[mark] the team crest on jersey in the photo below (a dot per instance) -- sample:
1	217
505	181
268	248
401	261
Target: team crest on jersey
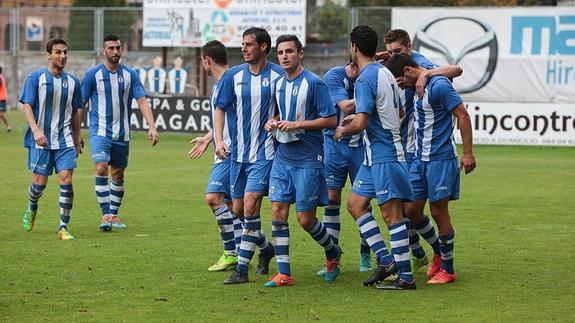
65	84
294	91
120	79
265	82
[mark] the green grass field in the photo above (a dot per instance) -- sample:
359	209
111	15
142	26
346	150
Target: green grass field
514	249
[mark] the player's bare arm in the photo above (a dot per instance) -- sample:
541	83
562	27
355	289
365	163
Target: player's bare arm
467	161
76	123
222	150
347	106
200	145
39	136
449	71
319	123
149	117
357	124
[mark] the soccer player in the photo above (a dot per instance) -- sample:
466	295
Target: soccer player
218	198
52	105
384	174
342	157
246	98
398	41
3	99
434	172
109	88
297	175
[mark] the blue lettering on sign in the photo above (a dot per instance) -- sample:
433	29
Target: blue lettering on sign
560	42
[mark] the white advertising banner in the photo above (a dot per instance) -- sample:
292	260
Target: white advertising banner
507	54
191	23
521	124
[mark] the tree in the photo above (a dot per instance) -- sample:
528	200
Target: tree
331	20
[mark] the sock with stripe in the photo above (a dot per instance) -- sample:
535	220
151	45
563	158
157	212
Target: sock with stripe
427	232
226	227
116	195
238	227
399	241
281	238
416	249
103	194
446	243
319	233
331	220
66	203
34	194
370	232
250	236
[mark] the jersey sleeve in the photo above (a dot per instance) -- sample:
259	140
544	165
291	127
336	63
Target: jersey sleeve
30	90
444	92
336	87
87	86
323	101
364	96
226	94
77	97
138	90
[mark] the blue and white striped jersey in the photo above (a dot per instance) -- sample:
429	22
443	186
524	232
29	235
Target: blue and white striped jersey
341	88
226	134
376	93
305	97
177	80
408	120
157	80
52	99
249	104
434	121
110	100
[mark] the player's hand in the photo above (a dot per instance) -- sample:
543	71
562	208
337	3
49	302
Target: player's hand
200	146
421	83
270	125
399	81
222	150
287	125
79	144
382	56
339	133
40	139
153	136
348	119
467	163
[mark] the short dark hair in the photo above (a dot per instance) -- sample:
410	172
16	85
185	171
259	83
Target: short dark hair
365	38
397	62
111	37
54	41
0	69
286	38
216	50
398	35
262	36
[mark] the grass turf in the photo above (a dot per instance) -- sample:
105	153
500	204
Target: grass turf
514	250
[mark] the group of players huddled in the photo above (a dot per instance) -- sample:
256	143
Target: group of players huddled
385	120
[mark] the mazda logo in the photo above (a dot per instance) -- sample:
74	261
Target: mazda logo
487	40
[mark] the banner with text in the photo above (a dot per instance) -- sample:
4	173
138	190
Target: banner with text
507	54
173	114
191	23
521	124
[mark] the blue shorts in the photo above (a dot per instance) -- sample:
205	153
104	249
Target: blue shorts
219	181
435	180
2	106
42	161
340	160
106	150
306	187
383	181
249	177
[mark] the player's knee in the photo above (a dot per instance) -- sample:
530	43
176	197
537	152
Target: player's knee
102	169
306	222
356	210
214	200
